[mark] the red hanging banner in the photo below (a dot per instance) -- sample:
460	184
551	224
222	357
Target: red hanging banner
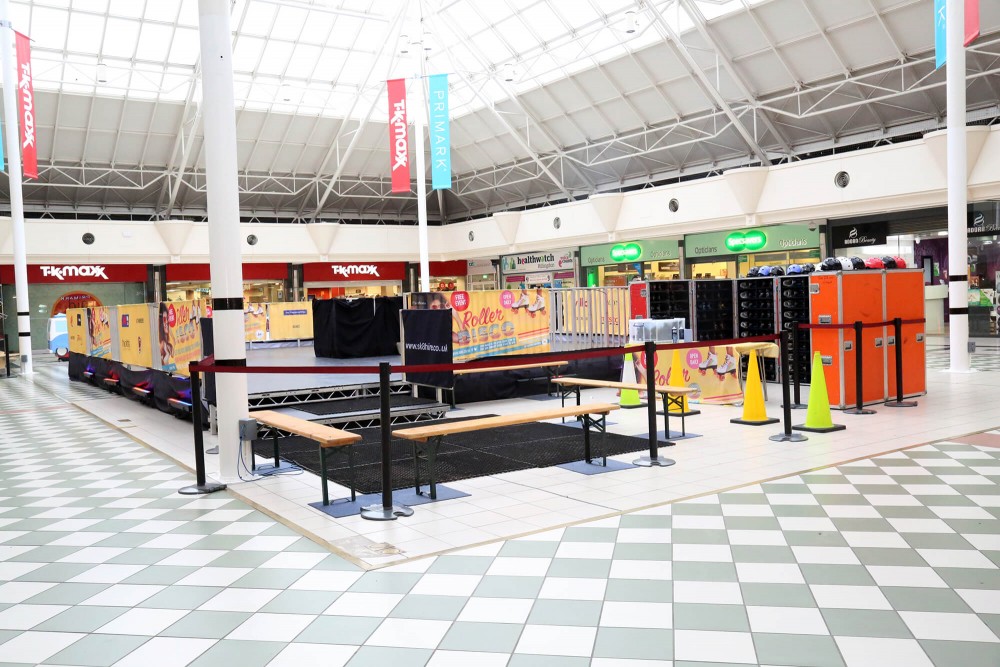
399	156
971	21
26	95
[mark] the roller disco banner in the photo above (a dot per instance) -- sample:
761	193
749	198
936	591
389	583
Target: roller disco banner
399	156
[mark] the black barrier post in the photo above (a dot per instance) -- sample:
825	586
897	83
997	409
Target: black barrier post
386	511
859	367
653	459
787	435
796	340
897	324
201	485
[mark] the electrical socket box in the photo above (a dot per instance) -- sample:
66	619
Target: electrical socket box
248	430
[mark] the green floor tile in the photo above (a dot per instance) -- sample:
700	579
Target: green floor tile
698	536
46	554
904	598
566	612
889	556
352	630
785	487
222	542
97	650
762	554
502	586
68	593
140	556
268	578
634	644
974	526
486	637
818	538
752	523
639	551
697	571
526	660
645	521
380	656
811	511
206	624
727	617
429	607
461	565
962	577
99	513
163	575
849	575
300	602
945	501
797	650
905	512
737	498
81	619
691	509
865	623
966	654
33	538
523	549
386	582
992	621
56	572
582	534
587	568
637	590
863	525
777	595
244	559
936	541
114	525
305	545
239	652
334	562
181	597
825	499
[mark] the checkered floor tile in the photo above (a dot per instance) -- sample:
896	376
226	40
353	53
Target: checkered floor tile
887	561
985	358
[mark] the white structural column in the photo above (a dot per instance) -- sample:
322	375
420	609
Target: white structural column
958	194
418	112
13	137
219	116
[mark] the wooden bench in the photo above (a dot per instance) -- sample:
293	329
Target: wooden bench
325	436
672	396
548	366
427	439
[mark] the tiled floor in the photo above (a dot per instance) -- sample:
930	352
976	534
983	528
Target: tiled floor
884	561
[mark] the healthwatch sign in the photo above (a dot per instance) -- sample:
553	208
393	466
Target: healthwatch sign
763	239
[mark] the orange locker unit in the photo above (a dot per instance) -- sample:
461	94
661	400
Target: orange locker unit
904	298
844	297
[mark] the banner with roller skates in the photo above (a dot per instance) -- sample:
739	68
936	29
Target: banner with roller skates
711	370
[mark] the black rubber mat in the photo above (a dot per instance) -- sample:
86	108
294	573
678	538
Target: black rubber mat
461	456
360	404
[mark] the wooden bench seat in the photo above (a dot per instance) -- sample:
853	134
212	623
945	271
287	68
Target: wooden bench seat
427	439
672	396
325	436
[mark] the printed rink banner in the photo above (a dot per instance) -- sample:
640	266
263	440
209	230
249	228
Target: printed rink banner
290	321
494	322
711	386
76	325
99	332
135	335
255	322
179	328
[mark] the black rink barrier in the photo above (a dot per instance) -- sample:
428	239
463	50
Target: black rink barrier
859	375
201	485
386	511
897	325
787	435
797	403
654	457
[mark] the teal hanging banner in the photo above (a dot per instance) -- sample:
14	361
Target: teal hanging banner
3	163
439	131
940	33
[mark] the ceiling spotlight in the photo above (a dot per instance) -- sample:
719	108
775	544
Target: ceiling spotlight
508	72
631	22
285	93
404	44
427	40
102	72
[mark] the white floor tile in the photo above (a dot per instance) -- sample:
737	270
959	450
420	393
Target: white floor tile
446	584
27	616
711	646
556	640
637	614
879	652
294	560
981	601
142	622
496	610
272	627
641	569
597	550
363	604
36	647
572	589
464	659
957	558
849	597
920	577
945	626
707	592
299	655
193	557
166	652
769	573
123	595
703	553
13	592
825	555
787	620
326	580
883	540
409	633
240	599
523	567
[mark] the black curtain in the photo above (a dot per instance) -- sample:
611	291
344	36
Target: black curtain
351	329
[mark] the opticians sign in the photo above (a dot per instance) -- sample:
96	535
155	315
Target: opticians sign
531	262
763	239
630	251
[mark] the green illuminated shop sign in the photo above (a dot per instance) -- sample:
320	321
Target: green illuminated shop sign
631	251
765	239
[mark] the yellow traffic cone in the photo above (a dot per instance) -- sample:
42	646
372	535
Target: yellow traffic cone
629	398
818	419
676	379
754	410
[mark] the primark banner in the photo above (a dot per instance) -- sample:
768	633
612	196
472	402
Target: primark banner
439	132
427	339
399	156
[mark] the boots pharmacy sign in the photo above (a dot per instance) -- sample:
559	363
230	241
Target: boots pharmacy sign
656	250
763	239
26	98
399	157
534	262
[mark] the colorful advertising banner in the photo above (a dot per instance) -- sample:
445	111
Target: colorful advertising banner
290	321
255	322
76	325
440	131
99	332
492	323
26	97
135	335
399	156
711	386
178	326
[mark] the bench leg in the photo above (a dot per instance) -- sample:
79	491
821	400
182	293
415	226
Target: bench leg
667	401
586	437
431	464
322	474
277	459
416	468
350	465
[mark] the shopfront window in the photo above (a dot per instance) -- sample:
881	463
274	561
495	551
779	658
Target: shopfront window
258	291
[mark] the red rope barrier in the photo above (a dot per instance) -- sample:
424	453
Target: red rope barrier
850	325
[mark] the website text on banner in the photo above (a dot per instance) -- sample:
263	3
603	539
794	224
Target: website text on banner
179	327
716	383
290	321
99	332
492	323
427	340
135	335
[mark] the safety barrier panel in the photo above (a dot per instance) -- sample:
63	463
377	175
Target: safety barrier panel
584	316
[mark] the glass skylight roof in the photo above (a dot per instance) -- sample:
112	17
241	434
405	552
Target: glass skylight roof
313	57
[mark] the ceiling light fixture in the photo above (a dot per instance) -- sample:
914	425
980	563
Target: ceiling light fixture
102	72
631	22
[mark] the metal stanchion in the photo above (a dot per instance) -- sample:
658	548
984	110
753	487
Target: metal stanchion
386	511
797	403
201	485
859	405
653	459
787	435
897	324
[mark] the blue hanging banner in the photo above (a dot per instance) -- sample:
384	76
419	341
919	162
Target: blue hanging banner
940	33
440	131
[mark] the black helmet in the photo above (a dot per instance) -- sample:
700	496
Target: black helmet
859	264
889	262
830	264
753	272
777	271
808	268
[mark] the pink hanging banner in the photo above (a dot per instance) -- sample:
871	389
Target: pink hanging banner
399	156
26	96
971	21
